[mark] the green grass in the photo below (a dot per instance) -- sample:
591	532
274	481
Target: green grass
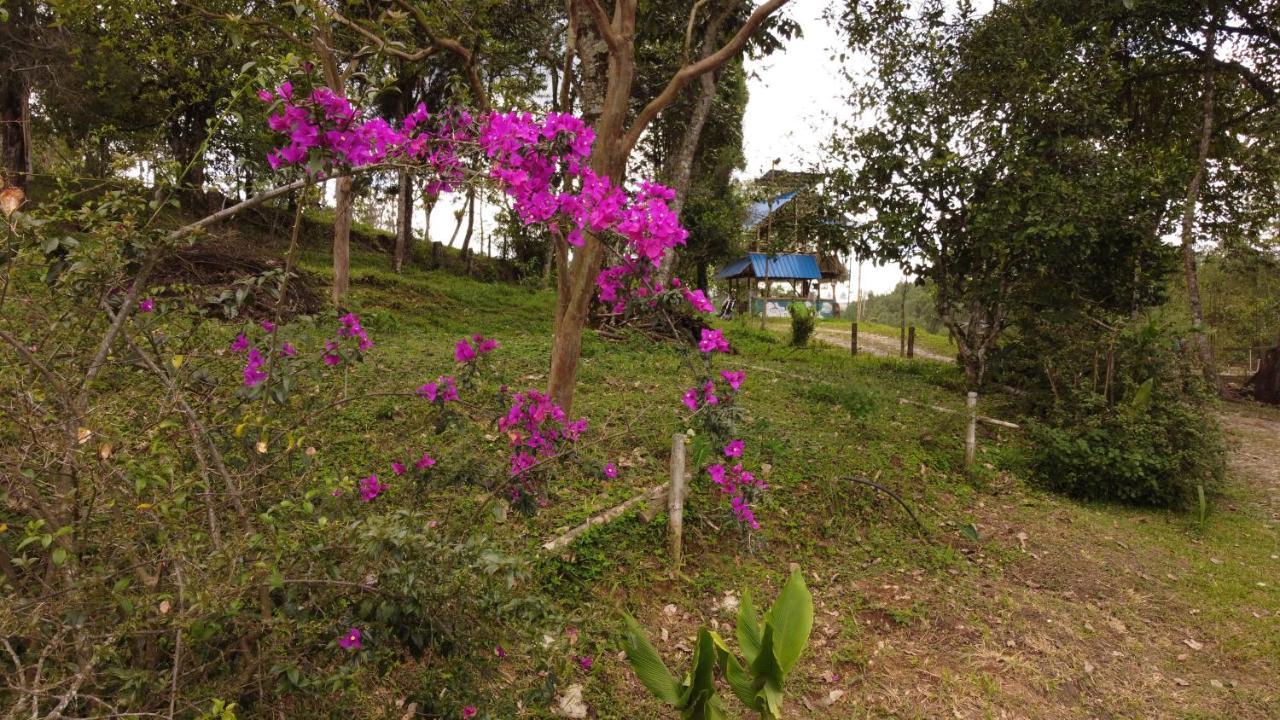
815	417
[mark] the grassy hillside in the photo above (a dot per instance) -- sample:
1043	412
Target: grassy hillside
1058	610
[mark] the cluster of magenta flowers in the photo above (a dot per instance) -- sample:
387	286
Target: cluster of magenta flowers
539	430
738	483
370	487
254	372
540	163
465	352
443	390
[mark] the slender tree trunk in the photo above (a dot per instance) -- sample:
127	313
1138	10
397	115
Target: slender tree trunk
679	168
1203	348
605	90
15	128
470	209
404	223
343	197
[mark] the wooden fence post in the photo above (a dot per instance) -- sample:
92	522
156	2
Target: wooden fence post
911	341
853	339
675	501
971	432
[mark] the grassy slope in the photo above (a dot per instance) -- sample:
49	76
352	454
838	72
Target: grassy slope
1060	610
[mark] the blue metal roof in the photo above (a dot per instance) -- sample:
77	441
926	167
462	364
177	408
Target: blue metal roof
785	266
758	211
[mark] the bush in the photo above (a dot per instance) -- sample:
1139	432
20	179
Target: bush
802	323
1148	438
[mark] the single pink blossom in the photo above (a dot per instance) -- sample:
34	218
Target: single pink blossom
146	305
397	467
288	350
469	712
733	449
424	462
350	640
734	377
713	341
268	326
611	471
371	488
240	344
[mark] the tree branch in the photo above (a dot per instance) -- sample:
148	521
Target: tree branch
603	24
687	73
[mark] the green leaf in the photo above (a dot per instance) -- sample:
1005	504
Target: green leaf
701	680
740	681
792	619
748	628
59	556
648	666
970	531
1142	396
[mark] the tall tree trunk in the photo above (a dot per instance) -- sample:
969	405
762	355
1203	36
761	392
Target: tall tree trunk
15	128
344	196
1203	348
404	223
471	223
679	167
605	81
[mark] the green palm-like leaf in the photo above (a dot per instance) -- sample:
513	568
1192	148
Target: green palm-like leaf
648	666
701	682
740	681
791	618
748	628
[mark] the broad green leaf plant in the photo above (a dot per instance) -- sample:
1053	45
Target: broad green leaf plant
770	649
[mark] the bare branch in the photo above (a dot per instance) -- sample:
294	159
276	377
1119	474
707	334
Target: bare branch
687	73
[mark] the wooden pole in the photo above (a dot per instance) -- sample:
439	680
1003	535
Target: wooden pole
902	322
853	338
971	431
911	341
675	501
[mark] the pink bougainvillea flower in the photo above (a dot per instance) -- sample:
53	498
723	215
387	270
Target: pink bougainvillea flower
350	640
371	488
734	377
240	344
690	398
268	326
611	471
699	301
397	467
484	345
427	391
501	653
253	372
733	449
717	473
424	462
331	356
265	95
584	661
463	352
146	305
469	712
713	341
709	393
288	350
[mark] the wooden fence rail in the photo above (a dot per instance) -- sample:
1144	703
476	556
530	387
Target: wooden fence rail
971	427
671	492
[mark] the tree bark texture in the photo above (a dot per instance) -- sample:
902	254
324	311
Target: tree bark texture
1203	348
404	223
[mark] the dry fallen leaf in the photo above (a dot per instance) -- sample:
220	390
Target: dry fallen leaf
1193	644
1181	683
570	704
833	697
10	200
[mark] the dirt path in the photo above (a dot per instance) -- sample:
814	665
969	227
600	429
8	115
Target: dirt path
1255	455
872	343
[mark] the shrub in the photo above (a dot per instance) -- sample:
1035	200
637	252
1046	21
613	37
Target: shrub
802	324
1147	438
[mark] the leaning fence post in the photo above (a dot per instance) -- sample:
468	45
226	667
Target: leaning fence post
911	341
971	432
853	339
675	500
